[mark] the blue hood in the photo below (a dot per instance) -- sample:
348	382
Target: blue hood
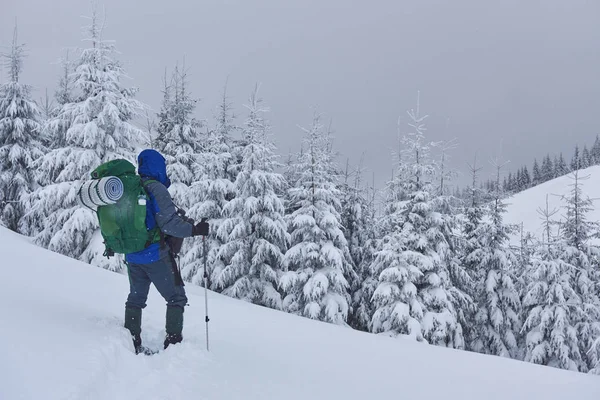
152	164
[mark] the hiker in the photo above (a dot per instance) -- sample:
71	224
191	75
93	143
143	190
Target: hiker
156	263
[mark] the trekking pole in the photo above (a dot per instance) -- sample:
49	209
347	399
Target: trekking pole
206	319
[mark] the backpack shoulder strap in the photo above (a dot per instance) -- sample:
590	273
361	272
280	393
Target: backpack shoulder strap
145	184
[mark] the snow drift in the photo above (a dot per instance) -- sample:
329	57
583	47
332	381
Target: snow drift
62	338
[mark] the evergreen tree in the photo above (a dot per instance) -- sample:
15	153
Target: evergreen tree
519	183
496	324
254	231
550	305
537	175
595	152
211	194
318	264
446	174
20	139
291	175
165	115
581	253
413	295
47	109
526	178
561	168
474	213
358	229
361	299
98	129
547	169
585	158
576	160
179	138
556	167
511	182
63	95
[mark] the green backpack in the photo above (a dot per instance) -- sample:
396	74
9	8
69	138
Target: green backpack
123	224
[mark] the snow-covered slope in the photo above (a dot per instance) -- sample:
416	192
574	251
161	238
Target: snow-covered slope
522	207
61	337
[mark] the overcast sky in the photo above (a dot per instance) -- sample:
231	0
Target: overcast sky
516	77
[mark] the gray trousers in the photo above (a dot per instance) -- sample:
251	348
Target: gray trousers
161	274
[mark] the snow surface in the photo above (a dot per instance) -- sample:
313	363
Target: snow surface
62	338
523	206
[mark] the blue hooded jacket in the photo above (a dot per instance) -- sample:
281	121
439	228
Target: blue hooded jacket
151	164
160	209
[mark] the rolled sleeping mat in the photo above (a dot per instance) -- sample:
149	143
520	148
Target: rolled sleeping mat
100	192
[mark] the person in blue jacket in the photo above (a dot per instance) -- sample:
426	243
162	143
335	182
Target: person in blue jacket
156	263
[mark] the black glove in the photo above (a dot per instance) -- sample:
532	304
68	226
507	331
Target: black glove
201	228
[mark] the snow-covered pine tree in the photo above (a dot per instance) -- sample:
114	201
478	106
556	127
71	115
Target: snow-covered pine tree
362	305
164	124
537	175
470	254
576	160
526	178
547	169
254	231
179	138
595	152
580	252
63	95
98	128
496	324
20	139
519	181
596	350
47	109
291	175
448	206
551	306
358	229
585	158
445	174
561	168
211	194
413	294
318	265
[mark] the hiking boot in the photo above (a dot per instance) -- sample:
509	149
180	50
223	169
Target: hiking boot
173	325
133	323
173	339
137	344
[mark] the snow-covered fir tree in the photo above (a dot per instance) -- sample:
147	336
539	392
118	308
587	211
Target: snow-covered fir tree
97	128
547	169
291	174
20	138
537	174
179	137
595	151
583	255
585	158
254	232
474	211
63	95
496	325
358	223
318	264
211	194
47	110
576	159
551	305
413	297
